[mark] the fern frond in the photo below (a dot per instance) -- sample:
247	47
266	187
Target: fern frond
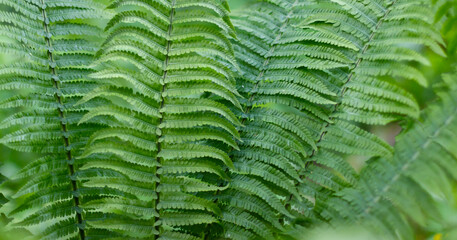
166	71
57	43
283	93
368	91
330	73
381	200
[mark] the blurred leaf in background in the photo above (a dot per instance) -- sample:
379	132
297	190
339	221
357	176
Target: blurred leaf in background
10	161
236	4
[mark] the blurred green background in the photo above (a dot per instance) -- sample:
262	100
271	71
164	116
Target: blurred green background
235	4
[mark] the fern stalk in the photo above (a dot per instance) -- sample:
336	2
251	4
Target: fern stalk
65	137
57	42
165	72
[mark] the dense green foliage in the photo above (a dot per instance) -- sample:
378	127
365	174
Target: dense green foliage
176	119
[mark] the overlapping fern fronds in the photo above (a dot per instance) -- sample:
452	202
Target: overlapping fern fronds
328	73
291	78
175	128
57	44
281	110
386	37
393	192
168	122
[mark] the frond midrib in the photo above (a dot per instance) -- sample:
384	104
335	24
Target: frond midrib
248	106
345	86
159	130
63	122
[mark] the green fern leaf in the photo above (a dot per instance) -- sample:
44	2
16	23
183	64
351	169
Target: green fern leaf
166	71
56	42
384	189
368	91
